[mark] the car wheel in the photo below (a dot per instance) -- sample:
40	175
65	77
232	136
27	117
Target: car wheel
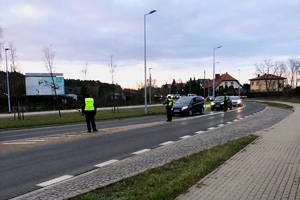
211	109
202	111
231	107
190	112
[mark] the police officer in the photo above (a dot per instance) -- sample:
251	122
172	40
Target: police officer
226	102
169	103
89	109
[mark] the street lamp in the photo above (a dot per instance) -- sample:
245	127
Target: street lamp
149	86
239	82
7	81
151	12
214	70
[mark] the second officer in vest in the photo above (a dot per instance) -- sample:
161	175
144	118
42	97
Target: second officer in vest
89	109
169	107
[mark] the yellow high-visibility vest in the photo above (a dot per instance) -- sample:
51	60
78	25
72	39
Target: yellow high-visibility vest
170	102
89	104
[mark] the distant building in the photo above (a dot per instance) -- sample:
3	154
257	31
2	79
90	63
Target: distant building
222	81
267	82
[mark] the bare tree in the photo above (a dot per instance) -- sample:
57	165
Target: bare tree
1	46
84	72
112	67
293	67
280	70
264	69
48	60
14	66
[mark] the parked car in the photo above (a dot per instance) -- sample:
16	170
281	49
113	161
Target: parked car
192	95
236	101
210	98
189	105
218	103
177	96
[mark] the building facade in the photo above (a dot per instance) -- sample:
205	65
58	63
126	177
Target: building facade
267	83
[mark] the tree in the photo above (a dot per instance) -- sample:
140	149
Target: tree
84	71
293	65
112	67
1	46
281	69
48	60
266	68
14	66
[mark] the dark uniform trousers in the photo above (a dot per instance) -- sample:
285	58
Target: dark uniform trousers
169	113
90	119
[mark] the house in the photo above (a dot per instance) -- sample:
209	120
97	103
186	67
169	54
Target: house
266	83
223	82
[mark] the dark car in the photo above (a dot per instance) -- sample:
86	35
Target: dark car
218	103
189	105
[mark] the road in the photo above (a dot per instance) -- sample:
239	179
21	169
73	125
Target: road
22	171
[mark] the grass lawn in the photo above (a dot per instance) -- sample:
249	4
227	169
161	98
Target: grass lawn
31	121
172	179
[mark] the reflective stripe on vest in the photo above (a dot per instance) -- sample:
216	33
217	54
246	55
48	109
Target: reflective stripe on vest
170	101
89	104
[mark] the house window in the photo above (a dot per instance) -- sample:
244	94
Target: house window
252	83
256	82
232	83
225	83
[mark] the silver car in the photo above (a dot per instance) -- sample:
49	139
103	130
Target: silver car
236	101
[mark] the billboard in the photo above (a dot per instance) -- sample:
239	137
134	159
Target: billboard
41	84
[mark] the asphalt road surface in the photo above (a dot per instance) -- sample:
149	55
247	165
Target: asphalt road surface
22	171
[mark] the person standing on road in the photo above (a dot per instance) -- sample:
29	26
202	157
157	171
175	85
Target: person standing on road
89	109
226	102
169	107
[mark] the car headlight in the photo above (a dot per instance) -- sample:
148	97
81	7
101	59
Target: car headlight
222	103
184	108
212	103
239	101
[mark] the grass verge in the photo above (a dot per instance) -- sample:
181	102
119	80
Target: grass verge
53	119
172	179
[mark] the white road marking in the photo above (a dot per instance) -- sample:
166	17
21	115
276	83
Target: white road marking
141	151
211	128
221	125
199	132
166	143
229	122
35	140
56	180
19	143
236	120
186	136
246	116
106	163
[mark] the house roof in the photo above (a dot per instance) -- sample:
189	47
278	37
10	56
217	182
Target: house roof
267	77
219	80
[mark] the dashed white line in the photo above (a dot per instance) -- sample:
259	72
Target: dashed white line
18	143
35	140
141	151
106	163
199	132
186	136
211	128
221	125
56	180
241	118
166	143
236	120
229	122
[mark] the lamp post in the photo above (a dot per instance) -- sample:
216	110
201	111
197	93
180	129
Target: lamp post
7	81
149	86
214	70
151	12
239	82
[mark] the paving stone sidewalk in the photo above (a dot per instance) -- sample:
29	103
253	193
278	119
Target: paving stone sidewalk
268	169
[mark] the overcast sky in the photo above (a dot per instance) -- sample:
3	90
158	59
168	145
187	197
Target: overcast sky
181	36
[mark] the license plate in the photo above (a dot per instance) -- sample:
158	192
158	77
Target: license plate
217	105
177	111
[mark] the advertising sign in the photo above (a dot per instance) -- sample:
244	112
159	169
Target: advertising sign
43	85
